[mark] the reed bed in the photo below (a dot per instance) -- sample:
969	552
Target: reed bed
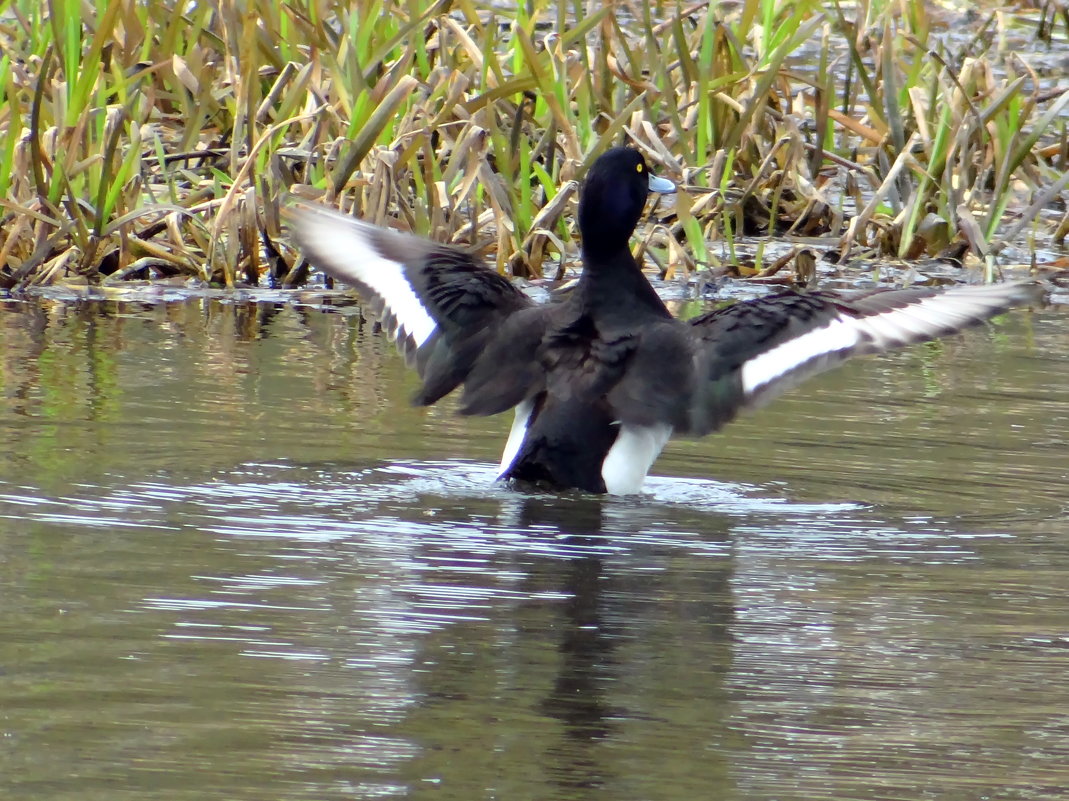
162	140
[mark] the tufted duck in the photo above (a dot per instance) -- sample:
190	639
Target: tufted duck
601	381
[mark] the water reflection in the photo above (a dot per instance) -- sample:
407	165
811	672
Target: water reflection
235	565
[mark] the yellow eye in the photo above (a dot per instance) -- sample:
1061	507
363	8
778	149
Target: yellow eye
639	168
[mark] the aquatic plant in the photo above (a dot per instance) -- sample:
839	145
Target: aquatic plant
161	140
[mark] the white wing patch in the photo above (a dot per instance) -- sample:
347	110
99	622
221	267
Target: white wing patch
347	246
934	316
925	318
840	334
631	457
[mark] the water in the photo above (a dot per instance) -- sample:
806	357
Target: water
234	564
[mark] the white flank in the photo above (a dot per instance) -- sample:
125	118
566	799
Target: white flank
345	244
840	334
632	456
516	435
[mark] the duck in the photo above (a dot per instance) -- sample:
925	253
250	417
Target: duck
599	382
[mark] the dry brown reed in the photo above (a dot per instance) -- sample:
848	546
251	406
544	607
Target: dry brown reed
161	140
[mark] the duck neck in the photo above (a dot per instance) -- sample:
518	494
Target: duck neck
612	281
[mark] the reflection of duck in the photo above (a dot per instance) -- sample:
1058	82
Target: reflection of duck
601	381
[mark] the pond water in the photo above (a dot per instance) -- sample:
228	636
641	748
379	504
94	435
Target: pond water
234	564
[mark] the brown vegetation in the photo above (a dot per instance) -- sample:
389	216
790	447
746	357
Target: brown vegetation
153	140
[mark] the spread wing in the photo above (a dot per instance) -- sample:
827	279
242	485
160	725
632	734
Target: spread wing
746	354
456	321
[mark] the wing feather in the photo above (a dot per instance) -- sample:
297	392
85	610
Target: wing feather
750	352
443	307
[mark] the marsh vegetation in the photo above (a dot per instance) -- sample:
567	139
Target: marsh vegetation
161	140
